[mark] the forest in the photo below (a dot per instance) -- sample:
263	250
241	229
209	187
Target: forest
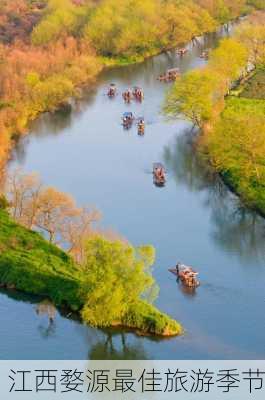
50	48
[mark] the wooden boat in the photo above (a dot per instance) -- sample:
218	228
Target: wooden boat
138	93
173	74
127	96
159	174
170	75
181	52
127	119
186	275
141	126
112	91
204	55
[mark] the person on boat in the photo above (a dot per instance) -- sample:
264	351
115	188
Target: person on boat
139	93
141	126
127	119
178	265
160	173
112	90
128	95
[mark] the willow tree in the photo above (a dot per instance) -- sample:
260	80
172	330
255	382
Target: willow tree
229	59
194	97
118	275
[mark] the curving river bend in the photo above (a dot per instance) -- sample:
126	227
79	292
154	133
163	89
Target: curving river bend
194	218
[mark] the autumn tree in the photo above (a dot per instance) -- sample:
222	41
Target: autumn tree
54	208
21	189
75	230
50	211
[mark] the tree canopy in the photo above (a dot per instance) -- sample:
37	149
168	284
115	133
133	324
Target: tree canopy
117	277
199	94
194	96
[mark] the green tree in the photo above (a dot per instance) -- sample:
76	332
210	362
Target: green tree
50	93
194	96
237	143
126	26
63	18
229	59
117	277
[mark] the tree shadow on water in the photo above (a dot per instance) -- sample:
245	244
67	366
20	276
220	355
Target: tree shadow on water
235	228
110	345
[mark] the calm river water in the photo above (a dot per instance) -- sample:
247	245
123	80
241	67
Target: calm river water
194	218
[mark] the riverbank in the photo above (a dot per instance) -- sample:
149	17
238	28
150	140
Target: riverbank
226	101
30	264
236	147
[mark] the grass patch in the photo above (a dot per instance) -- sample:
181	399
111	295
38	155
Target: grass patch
33	265
148	319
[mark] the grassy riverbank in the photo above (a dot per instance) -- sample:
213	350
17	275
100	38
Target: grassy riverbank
236	147
226	101
30	264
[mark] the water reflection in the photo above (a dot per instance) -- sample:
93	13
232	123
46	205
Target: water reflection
111	345
234	228
48	327
53	123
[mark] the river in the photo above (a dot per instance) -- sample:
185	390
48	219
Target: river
194	219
